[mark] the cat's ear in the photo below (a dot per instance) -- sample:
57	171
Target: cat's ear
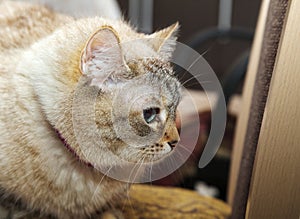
102	59
164	41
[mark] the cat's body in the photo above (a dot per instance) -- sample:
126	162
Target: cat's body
39	72
78	8
61	183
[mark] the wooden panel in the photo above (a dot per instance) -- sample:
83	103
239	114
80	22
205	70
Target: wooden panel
246	101
275	186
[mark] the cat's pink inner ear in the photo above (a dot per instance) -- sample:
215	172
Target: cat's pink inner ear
101	52
103	39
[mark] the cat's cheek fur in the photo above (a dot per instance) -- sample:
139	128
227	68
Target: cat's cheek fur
39	70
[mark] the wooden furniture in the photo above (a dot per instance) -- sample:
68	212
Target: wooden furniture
275	183
245	105
265	174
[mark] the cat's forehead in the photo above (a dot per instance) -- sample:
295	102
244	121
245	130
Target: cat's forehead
159	76
171	91
137	50
150	65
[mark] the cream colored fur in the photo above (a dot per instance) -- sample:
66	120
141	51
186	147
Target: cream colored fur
80	8
39	71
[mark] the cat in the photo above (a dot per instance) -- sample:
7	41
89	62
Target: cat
79	8
53	70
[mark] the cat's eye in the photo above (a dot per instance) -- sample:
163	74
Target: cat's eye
150	114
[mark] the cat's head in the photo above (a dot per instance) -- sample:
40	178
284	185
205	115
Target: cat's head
136	94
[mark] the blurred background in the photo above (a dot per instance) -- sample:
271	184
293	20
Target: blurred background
195	16
222	31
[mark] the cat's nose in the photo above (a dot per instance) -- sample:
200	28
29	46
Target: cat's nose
173	143
171	135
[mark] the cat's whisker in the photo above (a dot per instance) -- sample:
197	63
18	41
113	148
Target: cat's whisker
191	65
180	73
151	165
182	146
140	162
189	79
194	77
208	49
201	55
141	165
134	153
133	169
104	175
